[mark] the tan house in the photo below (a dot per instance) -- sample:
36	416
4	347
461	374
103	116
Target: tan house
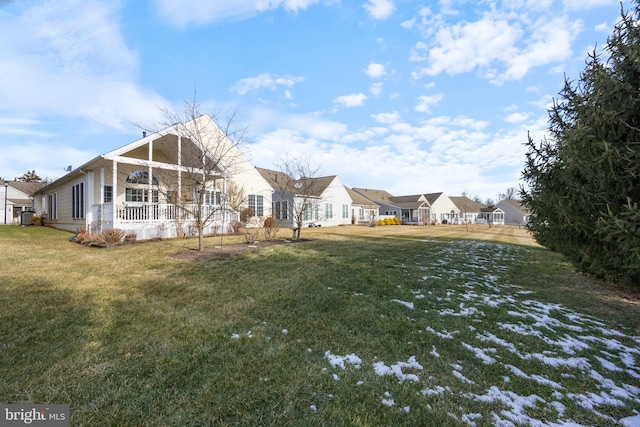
468	210
158	185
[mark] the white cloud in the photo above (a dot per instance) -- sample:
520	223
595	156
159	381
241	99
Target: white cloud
462	47
387	118
516	117
550	43
380	9
353	100
500	46
264	80
375	70
18	159
586	4
70	59
200	12
376	89
426	102
452	154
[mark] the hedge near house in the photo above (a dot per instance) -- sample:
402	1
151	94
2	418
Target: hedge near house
584	181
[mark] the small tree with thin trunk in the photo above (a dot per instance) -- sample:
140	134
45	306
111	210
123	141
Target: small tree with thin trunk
300	184
208	152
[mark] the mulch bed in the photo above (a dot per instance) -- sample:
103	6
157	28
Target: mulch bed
229	251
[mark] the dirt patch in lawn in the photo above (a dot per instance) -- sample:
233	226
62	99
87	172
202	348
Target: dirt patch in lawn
229	251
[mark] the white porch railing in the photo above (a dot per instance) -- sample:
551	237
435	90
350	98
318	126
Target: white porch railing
158	212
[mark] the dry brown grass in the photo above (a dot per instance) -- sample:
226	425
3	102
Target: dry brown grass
504	234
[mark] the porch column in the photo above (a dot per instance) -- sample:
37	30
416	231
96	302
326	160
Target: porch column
114	198
150	185
101	200
89	200
179	195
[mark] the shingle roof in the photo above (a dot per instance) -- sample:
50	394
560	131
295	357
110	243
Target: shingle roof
283	182
432	197
519	204
27	187
465	204
360	200
408	202
377	196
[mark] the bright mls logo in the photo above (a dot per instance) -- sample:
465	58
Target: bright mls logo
34	415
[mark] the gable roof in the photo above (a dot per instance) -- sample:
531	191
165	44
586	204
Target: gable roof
432	197
518	204
465	204
358	199
410	202
161	139
27	188
280	181
376	196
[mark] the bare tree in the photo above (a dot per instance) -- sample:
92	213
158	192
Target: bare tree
208	151
300	186
510	194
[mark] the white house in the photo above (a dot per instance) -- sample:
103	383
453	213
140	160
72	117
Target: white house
443	210
468	210
325	199
491	215
15	198
155	186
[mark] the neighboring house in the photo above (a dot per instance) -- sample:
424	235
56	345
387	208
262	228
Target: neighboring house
363	210
515	212
415	209
18	198
325	199
150	186
443	210
491	215
468	210
386	207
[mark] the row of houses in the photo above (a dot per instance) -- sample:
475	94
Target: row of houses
146	187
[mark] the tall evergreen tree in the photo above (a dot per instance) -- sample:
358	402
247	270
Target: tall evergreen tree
584	181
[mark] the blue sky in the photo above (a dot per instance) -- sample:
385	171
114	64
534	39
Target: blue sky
409	97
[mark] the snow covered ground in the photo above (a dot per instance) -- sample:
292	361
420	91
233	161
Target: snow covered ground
572	361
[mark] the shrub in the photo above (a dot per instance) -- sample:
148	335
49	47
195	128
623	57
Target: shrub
112	236
396	221
36	220
387	221
381	222
269	222
270	229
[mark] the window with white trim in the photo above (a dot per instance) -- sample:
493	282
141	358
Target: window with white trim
345	211
256	204
328	210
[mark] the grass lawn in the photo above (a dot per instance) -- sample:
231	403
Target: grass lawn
359	326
